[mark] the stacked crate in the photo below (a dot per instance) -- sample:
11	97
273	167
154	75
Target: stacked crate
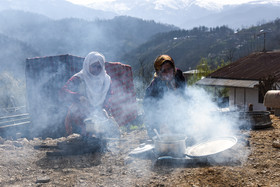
45	76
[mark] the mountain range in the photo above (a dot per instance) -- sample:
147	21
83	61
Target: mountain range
185	14
26	35
40	28
56	9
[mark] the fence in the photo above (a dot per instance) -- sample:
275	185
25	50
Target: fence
14	123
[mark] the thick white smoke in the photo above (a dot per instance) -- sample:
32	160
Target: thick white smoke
195	114
199	118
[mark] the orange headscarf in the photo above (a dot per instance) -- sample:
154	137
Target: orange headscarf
160	60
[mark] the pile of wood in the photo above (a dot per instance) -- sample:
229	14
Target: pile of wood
75	146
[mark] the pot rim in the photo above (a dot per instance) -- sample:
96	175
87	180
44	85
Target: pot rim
179	136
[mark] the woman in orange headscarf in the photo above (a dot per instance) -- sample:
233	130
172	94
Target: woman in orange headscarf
167	78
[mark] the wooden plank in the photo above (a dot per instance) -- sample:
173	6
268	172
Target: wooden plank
13	116
16	124
13	121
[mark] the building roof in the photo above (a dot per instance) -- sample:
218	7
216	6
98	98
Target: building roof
190	72
227	83
252	67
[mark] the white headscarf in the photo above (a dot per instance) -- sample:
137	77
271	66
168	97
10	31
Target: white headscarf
96	86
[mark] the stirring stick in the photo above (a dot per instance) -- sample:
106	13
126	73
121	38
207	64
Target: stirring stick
157	134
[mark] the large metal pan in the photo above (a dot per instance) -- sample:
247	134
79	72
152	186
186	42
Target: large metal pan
211	147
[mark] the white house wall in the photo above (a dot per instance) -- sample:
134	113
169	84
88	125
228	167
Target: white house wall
242	97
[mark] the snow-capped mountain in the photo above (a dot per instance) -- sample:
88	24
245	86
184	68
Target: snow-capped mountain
185	14
121	6
192	13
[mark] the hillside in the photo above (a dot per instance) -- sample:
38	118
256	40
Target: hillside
13	54
76	36
187	47
130	40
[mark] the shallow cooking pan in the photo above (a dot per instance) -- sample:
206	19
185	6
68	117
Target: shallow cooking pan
211	147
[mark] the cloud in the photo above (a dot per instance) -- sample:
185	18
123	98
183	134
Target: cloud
175	4
87	2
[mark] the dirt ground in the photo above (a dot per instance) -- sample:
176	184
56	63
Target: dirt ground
253	161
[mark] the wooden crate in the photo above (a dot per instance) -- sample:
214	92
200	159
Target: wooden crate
45	76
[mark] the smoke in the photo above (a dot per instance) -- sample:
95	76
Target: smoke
194	114
199	118
26	35
11	91
44	79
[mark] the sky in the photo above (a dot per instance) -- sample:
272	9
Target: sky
218	2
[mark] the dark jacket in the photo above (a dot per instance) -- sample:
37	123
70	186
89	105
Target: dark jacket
154	93
157	87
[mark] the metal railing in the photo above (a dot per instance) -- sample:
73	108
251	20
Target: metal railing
14	121
12	110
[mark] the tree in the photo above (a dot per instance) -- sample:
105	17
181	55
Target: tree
230	54
143	78
203	70
266	83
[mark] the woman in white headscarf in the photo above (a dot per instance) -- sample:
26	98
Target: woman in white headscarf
88	93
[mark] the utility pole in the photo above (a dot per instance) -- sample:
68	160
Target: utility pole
264	50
